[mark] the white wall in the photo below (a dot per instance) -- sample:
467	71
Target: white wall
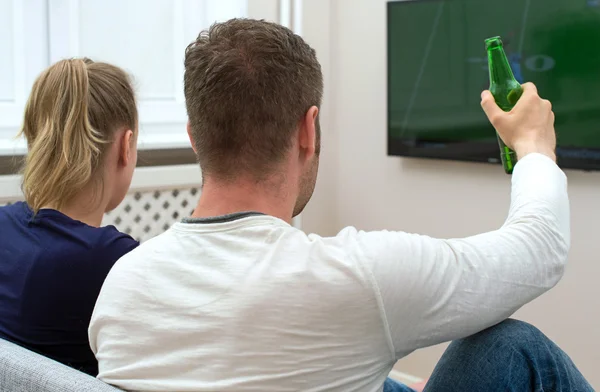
317	25
444	199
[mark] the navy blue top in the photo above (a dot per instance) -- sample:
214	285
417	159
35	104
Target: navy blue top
51	270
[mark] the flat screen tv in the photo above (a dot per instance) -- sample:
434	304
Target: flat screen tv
437	68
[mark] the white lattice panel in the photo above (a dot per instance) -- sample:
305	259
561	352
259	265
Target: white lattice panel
144	215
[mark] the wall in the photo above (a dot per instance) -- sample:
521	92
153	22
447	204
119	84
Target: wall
444	199
314	23
320	216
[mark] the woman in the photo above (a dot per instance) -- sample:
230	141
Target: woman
81	129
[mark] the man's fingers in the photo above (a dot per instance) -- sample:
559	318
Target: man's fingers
529	89
489	106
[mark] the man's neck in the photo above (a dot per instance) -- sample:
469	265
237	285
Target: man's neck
219	199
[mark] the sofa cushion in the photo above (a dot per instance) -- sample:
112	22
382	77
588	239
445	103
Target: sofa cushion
22	370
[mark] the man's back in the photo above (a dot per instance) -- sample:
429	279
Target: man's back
241	303
246	302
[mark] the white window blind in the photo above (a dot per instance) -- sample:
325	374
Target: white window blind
23	54
146	38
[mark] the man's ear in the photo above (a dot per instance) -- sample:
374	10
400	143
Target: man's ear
126	147
189	132
308	133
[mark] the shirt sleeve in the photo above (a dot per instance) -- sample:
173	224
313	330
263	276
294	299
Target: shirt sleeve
432	290
117	244
111	247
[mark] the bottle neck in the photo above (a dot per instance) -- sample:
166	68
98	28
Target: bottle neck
500	70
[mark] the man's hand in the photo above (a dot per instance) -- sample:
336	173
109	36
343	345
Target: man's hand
528	127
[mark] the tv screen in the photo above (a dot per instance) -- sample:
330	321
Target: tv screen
437	68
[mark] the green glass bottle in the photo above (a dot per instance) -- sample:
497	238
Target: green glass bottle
505	89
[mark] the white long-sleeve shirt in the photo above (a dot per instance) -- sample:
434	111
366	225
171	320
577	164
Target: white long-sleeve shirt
249	303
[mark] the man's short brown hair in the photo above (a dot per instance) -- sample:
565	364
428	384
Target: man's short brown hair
248	85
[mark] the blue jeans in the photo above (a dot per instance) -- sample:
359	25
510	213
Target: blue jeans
513	356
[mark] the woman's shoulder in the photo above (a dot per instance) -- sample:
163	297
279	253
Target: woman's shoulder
110	245
18	208
112	238
97	248
54	231
14	216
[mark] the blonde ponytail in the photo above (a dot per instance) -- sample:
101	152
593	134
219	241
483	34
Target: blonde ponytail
74	108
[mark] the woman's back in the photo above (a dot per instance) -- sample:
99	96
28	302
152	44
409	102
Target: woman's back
51	271
81	128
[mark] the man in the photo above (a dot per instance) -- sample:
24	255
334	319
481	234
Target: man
236	299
